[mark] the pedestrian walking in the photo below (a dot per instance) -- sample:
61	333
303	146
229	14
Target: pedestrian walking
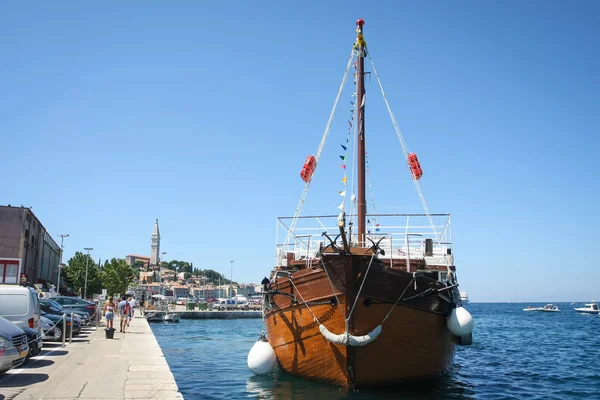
124	309
109	313
132	307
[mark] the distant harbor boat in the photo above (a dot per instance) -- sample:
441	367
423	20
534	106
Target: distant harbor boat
590	308
464	297
546	308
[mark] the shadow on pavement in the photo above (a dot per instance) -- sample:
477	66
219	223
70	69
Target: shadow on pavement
80	341
54	353
23	379
52	345
35	363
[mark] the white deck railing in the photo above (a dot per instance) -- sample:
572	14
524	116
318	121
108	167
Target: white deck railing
404	236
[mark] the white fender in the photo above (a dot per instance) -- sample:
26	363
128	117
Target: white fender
460	322
261	358
347	339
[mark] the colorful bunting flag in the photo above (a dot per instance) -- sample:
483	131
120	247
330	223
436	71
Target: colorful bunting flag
343	166
343	158
344	147
342	193
341	206
344	179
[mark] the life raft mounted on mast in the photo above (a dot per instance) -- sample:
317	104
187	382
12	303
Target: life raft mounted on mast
308	169
415	166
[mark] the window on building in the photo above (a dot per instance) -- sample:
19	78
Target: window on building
8	273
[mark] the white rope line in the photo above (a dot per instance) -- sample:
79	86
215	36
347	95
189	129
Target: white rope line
360	289
394	306
404	148
319	151
303	301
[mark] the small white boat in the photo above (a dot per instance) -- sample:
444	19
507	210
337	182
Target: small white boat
549	308
464	297
154	316
171	317
546	308
590	308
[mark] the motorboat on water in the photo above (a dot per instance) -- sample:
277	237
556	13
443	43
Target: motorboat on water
546	308
590	308
550	308
154	316
464	298
171	317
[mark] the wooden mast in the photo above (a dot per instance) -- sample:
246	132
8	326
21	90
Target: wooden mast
360	98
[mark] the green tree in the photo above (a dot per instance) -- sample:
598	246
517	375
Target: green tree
116	276
75	274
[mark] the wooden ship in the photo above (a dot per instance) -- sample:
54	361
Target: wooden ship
378	305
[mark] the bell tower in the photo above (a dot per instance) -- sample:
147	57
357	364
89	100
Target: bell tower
154	255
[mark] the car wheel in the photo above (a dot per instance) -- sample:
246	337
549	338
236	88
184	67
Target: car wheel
57	333
36	350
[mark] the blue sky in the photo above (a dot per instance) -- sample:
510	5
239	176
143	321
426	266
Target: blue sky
202	113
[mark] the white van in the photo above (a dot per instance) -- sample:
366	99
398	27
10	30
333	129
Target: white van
21	306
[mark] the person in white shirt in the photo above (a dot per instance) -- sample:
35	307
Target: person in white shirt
132	305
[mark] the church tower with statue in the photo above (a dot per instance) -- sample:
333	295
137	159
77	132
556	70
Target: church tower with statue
154	256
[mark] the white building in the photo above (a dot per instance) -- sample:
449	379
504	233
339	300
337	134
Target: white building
155	255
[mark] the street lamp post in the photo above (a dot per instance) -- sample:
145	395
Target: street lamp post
160	271
231	281
62	238
87	264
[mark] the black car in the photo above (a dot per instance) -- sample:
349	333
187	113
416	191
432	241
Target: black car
81	315
77	304
52	313
35	342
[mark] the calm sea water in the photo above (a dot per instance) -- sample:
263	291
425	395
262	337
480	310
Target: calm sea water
515	355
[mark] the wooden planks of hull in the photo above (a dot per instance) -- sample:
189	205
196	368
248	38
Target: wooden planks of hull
413	344
301	349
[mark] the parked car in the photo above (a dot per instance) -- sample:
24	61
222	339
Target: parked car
20	305
75	303
35	342
47	326
55	335
55	314
53	307
13	345
225	304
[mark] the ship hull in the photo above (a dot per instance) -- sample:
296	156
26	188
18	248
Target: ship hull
414	342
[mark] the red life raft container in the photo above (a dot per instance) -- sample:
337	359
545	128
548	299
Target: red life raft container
308	169
415	166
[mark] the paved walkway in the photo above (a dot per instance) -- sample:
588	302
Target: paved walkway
131	366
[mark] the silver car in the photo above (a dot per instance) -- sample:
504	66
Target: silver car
13	345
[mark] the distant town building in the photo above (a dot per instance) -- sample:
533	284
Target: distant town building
26	248
130	260
181	291
245	290
151	261
207	291
146	277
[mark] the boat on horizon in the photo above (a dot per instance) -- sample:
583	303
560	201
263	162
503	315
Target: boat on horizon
589	308
546	308
464	297
363	299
